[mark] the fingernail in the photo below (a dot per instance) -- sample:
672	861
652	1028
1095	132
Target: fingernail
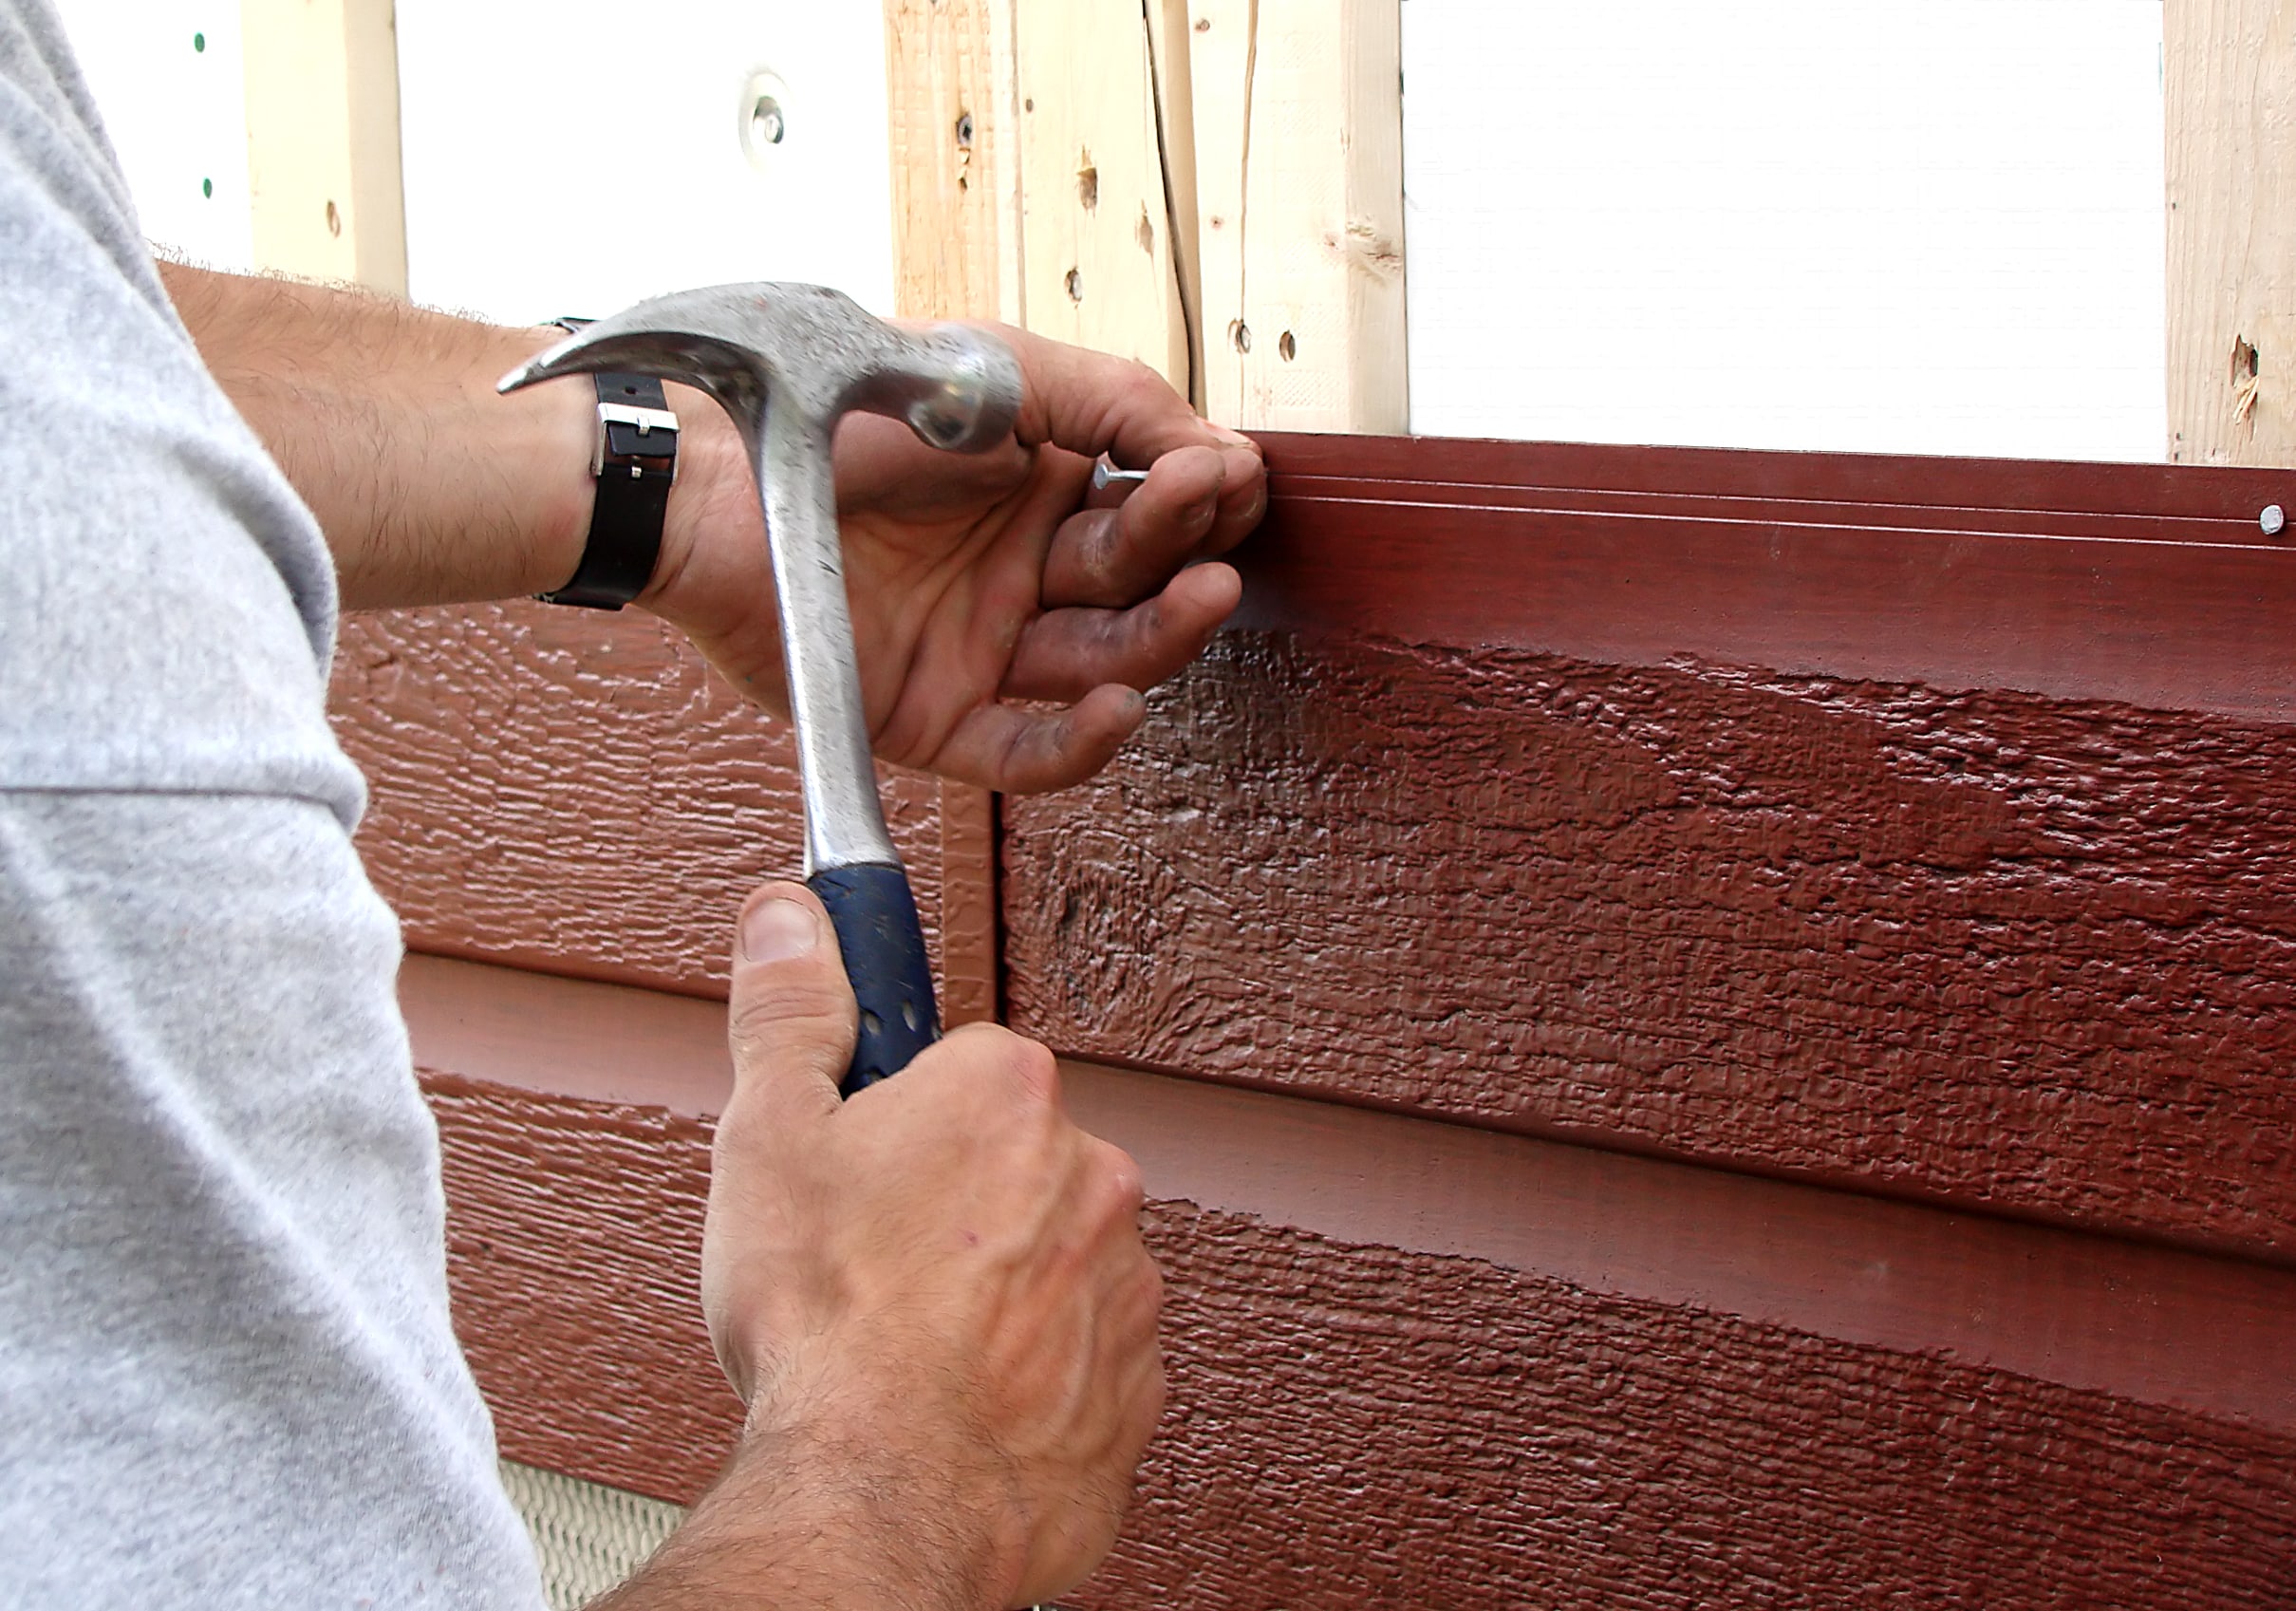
777	929
1236	437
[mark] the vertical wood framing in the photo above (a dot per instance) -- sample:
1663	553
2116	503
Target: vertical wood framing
956	244
2230	77
1105	131
956	171
322	140
1298	107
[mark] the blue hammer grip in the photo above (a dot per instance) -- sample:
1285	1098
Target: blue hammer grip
876	920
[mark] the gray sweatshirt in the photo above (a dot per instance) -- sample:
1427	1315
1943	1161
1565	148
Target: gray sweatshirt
227	1377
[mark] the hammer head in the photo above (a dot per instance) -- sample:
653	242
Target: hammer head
805	352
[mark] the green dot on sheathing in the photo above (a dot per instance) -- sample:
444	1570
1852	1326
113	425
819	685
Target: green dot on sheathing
198	42
207	188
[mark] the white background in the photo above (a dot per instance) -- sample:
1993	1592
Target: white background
1909	225
576	156
1924	225
175	116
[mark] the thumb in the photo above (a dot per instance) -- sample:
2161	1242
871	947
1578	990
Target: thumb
791	1017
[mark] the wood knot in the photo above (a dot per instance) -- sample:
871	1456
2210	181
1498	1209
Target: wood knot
2244	373
1368	249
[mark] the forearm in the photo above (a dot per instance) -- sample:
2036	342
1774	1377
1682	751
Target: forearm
796	1525
429	487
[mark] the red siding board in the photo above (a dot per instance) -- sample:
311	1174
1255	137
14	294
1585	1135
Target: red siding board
577	792
1358	1424
2079	597
1354	1427
1948	865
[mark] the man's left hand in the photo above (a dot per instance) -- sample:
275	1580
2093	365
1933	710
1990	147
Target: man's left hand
1005	630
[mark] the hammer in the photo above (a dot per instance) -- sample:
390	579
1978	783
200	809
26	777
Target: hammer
787	361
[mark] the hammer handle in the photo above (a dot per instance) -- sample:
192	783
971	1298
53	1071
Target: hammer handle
875	916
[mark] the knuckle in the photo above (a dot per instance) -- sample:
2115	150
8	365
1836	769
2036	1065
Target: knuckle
1145	384
1121	1178
1028	1067
769	1022
1034	1069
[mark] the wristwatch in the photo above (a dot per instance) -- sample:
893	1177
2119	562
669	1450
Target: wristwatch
634	457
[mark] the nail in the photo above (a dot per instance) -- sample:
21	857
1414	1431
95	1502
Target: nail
777	929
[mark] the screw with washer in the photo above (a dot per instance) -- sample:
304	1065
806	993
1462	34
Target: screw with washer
2271	520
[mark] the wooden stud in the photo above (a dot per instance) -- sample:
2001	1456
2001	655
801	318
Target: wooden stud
956	174
957	255
2229	78
322	140
1103	110
1299	136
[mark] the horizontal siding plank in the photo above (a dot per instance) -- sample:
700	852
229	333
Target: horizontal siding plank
1915	825
1415	1363
2036	956
577	792
2143	583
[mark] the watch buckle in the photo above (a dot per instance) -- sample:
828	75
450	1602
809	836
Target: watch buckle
657	455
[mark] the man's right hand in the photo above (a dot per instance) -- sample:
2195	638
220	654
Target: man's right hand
934	1298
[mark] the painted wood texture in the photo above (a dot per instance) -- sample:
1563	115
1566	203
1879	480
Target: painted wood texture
577	792
1895	823
1415	1364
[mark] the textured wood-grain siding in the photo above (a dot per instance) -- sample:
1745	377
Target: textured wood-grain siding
2032	954
1358	1424
575	790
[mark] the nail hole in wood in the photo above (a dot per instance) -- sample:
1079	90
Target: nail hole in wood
1088	182
965	131
1076	286
1240	336
1286	347
334	220
1145	233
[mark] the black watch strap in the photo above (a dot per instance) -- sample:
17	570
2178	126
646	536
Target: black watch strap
635	460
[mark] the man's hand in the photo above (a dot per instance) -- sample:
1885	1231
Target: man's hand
978	581
934	1298
1006	631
